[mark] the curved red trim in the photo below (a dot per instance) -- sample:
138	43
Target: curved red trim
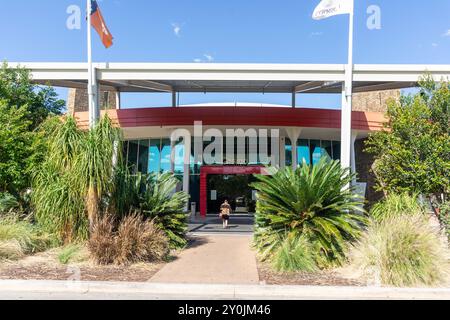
207	170
241	116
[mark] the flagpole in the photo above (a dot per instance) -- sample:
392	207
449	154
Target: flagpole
346	115
91	79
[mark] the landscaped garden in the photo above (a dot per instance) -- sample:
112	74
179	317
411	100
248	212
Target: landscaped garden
311	228
67	195
69	205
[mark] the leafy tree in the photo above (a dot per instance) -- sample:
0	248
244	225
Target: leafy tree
23	107
413	151
18	90
16	148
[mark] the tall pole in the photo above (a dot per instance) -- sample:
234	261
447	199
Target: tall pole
92	78
346	114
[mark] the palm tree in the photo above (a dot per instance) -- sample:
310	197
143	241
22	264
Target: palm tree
310	202
94	167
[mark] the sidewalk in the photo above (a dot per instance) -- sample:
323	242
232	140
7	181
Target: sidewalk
43	290
217	259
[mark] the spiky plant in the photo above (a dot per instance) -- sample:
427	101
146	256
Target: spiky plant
311	202
76	172
161	203
94	167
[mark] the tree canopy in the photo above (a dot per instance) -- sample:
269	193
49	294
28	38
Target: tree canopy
413	151
23	107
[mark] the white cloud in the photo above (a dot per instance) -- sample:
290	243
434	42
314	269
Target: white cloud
447	33
209	57
176	29
434	45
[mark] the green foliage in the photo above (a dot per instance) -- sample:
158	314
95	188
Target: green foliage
294	254
402	250
395	205
16	148
158	201
413	152
23	107
17	90
68	253
19	238
310	202
57	196
7	203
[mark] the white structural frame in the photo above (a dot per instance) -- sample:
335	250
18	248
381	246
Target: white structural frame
214	77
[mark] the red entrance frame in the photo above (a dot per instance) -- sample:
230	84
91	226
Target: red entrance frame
207	170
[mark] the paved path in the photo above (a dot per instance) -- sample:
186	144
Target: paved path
44	290
220	259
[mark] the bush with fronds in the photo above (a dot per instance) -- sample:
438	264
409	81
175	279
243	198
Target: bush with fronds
7	203
396	204
153	195
19	238
130	240
294	254
402	250
311	203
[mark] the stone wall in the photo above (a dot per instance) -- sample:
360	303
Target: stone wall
375	101
77	100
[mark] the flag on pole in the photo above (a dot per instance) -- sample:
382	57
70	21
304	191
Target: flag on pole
329	8
99	25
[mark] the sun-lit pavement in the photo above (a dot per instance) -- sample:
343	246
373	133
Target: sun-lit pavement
218	259
57	290
212	224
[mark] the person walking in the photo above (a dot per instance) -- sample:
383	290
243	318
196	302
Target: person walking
225	211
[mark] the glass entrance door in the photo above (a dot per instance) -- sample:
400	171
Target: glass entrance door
235	189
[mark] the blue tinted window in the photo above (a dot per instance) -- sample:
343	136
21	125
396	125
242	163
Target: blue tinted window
303	151
154	156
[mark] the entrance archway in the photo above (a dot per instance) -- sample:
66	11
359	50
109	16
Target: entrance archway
224	170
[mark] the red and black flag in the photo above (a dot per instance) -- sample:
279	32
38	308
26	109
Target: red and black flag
99	25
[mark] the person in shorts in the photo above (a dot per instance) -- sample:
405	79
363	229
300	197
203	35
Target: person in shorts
225	210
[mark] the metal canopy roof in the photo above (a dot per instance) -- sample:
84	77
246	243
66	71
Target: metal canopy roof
212	77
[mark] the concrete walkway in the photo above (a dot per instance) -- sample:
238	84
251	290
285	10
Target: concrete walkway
44	290
218	259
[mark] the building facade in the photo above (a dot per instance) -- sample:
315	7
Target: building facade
294	135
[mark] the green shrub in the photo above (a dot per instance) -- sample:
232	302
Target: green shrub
131	240
159	202
395	205
19	238
7	202
404	250
68	253
294	254
311	202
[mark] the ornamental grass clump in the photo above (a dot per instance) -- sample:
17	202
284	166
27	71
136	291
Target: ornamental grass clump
19	238
402	250
396	204
310	205
130	240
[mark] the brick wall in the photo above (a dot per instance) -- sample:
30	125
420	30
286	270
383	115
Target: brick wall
77	100
375	101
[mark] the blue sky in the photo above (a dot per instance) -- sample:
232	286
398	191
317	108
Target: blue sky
412	31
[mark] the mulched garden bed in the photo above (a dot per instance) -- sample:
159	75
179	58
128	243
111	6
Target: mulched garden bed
137	273
323	278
